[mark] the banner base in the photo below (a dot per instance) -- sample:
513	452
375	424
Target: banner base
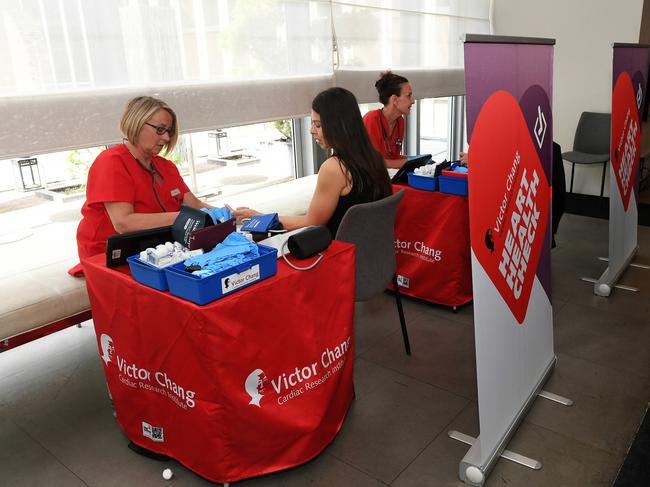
555	398
603	286
475	475
631	264
476	464
605	290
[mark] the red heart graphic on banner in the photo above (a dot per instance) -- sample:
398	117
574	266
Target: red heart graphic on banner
626	137
509	198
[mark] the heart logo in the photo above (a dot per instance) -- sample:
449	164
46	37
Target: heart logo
509	197
626	136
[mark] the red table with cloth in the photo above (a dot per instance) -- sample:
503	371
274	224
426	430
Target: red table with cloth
258	381
432	246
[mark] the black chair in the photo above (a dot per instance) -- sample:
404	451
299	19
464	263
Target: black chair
558	183
591	143
371	227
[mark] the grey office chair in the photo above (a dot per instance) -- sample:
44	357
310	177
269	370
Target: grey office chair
370	226
591	143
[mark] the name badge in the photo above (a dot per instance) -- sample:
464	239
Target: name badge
175	192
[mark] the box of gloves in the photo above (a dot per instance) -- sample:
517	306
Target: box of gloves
233	264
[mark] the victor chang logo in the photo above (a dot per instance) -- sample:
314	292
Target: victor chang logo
108	349
254	386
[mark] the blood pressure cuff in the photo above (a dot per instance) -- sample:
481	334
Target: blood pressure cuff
188	221
309	242
262	223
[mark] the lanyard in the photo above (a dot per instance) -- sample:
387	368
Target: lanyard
384	134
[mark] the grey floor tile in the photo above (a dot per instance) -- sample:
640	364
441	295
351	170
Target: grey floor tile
378	318
324	471
24	462
565	461
437	465
392	422
443	354
603	337
607	405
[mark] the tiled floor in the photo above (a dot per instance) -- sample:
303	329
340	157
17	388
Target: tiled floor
57	429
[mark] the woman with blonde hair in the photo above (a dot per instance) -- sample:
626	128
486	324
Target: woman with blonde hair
130	186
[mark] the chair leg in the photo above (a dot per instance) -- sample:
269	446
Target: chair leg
573	168
402	320
602	182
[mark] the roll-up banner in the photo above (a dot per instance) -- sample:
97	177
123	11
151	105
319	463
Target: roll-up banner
508	83
630	69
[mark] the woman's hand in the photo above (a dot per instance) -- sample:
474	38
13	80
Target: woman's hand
242	212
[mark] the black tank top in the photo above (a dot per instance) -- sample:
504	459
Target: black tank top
345	202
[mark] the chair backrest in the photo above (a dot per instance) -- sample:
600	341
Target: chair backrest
371	227
593	133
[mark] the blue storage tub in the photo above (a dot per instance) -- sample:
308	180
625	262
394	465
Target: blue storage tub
147	274
202	290
423	182
453	185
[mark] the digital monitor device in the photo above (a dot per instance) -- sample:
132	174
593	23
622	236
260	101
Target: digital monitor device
123	245
401	176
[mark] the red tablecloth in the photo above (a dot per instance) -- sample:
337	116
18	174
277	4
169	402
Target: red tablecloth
432	247
258	381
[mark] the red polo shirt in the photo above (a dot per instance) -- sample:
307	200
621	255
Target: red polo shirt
390	145
116	176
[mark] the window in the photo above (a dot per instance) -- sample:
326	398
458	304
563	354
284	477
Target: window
435	116
233	160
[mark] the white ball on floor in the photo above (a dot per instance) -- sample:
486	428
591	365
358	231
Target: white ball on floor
168	474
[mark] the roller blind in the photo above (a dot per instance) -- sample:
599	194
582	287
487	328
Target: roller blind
70	65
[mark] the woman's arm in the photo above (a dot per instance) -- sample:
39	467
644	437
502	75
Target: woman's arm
190	200
330	184
124	219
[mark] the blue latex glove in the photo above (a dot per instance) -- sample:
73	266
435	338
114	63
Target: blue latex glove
218	215
234	250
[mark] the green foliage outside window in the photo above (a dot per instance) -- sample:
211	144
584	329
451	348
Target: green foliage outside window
284	127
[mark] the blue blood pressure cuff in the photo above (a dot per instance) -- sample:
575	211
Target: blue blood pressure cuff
262	223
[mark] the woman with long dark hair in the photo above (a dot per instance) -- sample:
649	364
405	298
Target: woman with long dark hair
354	173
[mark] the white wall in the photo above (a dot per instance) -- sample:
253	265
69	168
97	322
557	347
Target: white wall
584	31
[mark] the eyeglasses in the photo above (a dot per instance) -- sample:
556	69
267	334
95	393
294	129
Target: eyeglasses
160	130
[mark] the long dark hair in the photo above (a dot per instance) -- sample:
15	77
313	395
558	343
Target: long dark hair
389	84
345	132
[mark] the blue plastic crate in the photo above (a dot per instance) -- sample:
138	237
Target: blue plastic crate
423	182
202	290
147	274
453	185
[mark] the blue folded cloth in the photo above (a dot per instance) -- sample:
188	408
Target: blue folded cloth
218	215
234	250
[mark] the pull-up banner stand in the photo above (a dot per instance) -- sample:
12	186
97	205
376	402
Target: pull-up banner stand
630	68
508	85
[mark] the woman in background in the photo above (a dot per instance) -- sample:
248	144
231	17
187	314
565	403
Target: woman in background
130	187
354	173
386	125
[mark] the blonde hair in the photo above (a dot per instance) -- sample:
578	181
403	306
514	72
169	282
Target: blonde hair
137	113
